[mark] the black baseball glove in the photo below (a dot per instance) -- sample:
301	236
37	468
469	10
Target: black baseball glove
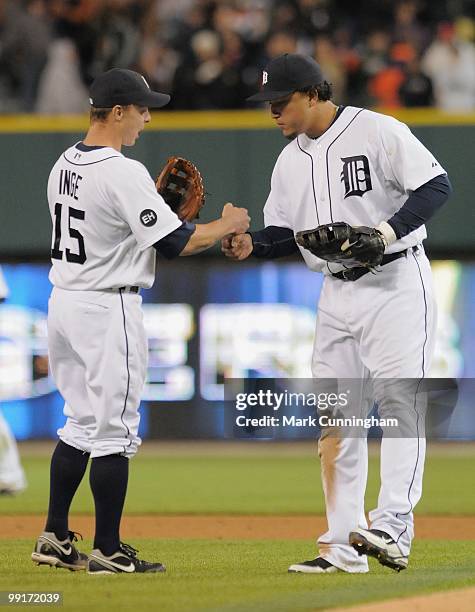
344	244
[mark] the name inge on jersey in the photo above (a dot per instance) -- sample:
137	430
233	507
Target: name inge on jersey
356	175
69	183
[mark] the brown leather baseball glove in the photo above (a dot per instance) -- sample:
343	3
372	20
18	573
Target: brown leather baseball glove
181	186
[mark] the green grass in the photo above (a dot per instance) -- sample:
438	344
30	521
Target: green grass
237	576
254	483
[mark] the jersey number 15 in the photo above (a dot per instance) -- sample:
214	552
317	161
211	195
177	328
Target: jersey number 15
56	252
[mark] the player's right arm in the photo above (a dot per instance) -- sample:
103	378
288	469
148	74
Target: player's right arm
189	239
237	247
233	220
269	243
153	223
277	238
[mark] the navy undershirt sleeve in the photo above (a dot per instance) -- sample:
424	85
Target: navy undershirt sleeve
421	205
273	241
172	244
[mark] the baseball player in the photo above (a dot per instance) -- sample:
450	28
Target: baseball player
108	223
12	476
347	164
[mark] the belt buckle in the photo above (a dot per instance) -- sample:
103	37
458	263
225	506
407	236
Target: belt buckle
345	279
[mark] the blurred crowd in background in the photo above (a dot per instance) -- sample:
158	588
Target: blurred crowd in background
209	54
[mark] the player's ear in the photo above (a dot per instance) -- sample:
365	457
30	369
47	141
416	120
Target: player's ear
117	112
313	96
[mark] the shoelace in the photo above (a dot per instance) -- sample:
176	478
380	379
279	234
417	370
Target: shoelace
128	550
73	536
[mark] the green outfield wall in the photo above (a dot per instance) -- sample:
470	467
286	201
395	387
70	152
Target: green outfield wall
235	152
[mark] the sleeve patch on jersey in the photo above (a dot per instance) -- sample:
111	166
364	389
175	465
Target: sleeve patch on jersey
148	217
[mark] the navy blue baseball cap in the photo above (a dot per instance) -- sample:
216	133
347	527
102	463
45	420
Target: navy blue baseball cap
285	74
121	86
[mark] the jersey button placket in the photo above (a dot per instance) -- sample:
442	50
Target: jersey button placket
321	186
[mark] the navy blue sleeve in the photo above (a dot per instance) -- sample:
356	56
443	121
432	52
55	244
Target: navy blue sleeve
172	245
273	241
421	205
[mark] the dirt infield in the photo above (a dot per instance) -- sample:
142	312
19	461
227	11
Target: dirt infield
231	527
460	600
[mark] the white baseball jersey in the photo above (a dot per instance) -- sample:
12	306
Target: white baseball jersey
361	170
106	214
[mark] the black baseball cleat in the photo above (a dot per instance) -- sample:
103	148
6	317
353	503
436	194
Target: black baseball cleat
316	566
10	490
49	550
380	545
124	561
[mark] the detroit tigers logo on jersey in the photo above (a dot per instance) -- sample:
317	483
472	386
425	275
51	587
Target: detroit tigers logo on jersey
356	175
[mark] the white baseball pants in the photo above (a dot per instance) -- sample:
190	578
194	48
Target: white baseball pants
98	358
381	326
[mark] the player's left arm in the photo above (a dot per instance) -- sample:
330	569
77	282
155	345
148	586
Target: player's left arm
407	164
420	206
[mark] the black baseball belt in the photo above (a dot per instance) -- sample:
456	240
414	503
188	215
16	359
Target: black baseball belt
353	274
132	289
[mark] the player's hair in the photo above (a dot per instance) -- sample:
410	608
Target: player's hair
323	91
99	114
